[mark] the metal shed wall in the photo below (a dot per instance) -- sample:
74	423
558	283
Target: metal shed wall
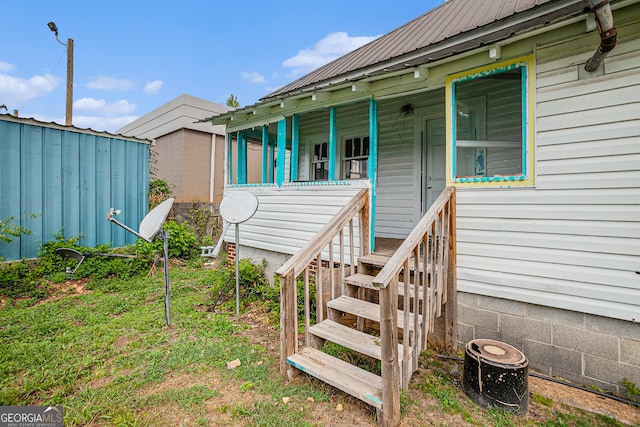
69	179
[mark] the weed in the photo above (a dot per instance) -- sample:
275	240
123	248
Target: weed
632	389
546	401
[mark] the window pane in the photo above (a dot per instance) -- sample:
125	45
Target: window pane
489	125
348	148
320	171
365	146
355	169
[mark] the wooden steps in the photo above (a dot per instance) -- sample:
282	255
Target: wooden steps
353	380
345	336
366	281
366	310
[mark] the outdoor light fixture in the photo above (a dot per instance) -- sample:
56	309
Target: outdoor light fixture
69	45
54	29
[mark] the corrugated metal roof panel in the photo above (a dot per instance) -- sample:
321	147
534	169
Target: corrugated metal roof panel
54	125
447	21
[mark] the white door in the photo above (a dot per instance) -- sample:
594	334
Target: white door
435	173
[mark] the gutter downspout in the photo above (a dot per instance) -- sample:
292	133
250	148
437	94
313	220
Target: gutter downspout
608	33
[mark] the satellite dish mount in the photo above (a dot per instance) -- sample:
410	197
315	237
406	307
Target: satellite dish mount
150	228
237	208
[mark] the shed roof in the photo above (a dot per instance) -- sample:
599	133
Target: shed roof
54	125
452	27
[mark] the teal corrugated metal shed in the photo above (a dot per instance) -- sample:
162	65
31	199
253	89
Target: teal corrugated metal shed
68	178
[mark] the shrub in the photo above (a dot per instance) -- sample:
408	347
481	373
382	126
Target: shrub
182	243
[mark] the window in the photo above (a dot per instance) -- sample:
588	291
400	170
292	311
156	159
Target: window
320	162
491	140
356	157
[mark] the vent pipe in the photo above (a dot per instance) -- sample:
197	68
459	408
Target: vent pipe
608	33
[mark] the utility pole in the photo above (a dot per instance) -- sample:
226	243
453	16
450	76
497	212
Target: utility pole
69	46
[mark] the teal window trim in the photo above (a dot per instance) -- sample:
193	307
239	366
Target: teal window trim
282	150
295	141
265	153
333	143
373	166
525	113
524	69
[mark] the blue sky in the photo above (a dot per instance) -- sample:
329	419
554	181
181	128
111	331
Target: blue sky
133	56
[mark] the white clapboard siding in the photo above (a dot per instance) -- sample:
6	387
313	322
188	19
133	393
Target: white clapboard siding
288	217
572	241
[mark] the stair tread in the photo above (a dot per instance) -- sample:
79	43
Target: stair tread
366	281
353	380
374	259
367	310
361	342
378	260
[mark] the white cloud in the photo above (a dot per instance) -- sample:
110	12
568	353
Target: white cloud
109	83
5	67
103	108
109	124
253	77
98	123
326	50
15	91
153	87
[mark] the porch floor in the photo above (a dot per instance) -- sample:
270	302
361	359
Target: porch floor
386	246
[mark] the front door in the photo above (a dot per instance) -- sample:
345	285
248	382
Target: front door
435	173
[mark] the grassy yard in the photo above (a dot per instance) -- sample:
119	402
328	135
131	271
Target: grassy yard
100	348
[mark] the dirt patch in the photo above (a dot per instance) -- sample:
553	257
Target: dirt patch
67	288
585	400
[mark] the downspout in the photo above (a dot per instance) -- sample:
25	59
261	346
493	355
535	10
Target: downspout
608	33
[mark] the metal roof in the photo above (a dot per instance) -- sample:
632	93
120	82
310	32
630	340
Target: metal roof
452	27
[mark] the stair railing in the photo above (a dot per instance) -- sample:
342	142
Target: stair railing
425	263
330	244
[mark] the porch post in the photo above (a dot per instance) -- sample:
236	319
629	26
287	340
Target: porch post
373	165
282	151
295	138
265	153
242	158
272	155
333	136
230	158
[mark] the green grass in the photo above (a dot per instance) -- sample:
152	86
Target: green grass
108	357
100	353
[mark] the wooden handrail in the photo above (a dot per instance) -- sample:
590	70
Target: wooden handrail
322	238
395	264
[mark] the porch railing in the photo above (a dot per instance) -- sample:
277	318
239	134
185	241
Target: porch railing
332	242
425	267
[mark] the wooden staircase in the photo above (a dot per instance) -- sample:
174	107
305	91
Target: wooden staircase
386	310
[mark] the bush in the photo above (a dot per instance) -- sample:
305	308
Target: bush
182	243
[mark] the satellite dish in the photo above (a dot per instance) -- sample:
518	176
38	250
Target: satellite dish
152	222
150	227
237	208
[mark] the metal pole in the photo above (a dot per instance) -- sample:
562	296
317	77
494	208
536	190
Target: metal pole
69	108
237	271
165	235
